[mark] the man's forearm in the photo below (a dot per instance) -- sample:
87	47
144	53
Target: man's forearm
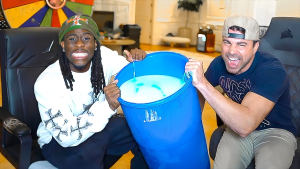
235	115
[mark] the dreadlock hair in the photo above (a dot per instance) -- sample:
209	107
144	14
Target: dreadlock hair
97	74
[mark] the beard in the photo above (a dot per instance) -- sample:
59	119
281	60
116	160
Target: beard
243	63
78	67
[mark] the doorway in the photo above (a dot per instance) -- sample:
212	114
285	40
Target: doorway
143	18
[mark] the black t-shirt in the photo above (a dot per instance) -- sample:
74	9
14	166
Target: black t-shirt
266	77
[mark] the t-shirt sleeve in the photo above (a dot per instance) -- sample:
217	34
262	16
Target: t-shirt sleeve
210	73
271	83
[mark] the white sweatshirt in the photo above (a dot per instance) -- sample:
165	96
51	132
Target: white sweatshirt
71	117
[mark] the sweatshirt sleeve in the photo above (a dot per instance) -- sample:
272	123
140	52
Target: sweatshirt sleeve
58	119
112	61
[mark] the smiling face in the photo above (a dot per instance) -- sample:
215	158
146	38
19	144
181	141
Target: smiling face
79	46
55	3
238	54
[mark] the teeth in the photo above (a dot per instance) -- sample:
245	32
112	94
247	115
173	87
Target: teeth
233	58
234	62
79	54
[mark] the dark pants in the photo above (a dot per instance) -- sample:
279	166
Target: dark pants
114	139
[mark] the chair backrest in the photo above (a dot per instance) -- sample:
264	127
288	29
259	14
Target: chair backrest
282	40
25	53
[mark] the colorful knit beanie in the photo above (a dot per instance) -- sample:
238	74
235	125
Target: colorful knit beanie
79	22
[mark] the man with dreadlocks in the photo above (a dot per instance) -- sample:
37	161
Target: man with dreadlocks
76	103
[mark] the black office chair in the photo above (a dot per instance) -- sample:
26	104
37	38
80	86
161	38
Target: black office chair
25	53
282	40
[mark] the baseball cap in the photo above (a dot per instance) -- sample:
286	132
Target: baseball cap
248	23
79	22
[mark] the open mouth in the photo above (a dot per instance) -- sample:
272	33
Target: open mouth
80	55
233	62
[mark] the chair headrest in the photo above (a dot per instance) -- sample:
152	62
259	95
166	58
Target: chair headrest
30	46
284	33
282	40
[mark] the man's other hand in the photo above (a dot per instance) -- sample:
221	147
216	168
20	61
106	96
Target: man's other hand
135	54
195	69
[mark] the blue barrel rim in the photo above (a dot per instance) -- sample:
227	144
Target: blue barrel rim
164	100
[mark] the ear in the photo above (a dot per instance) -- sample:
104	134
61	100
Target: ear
95	43
255	48
62	44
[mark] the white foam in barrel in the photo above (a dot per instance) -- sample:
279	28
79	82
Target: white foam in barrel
150	88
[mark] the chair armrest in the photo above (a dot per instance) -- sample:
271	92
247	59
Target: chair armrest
214	141
12	124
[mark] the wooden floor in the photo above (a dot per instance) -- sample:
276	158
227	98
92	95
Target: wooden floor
208	115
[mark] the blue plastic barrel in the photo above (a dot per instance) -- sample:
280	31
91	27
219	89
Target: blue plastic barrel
169	132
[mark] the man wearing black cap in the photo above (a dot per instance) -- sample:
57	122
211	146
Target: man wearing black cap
257	114
76	103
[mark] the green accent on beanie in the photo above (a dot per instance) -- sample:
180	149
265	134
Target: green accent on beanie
79	22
